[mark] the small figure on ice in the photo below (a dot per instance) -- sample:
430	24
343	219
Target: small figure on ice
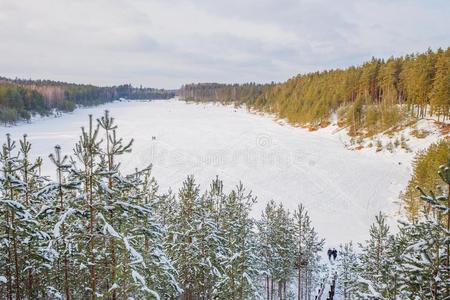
153	138
329	252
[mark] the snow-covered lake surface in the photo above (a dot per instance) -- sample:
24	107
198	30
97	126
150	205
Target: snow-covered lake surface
342	189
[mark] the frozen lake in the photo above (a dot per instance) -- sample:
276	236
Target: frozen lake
342	189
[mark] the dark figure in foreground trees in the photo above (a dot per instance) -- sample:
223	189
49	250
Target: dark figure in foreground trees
329	252
334	253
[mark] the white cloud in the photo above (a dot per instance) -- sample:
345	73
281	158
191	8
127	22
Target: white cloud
168	43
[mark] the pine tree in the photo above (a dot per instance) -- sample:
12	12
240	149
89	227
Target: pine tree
60	236
277	240
375	261
184	245
440	91
240	261
210	239
266	250
426	257
16	217
307	245
347	266
27	174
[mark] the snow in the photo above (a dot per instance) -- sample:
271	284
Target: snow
413	142
135	256
113	287
373	292
53	293
57	228
342	189
18	208
108	229
138	278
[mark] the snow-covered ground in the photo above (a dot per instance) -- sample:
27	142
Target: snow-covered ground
342	189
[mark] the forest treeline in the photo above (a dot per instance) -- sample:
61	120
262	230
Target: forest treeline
20	99
368	99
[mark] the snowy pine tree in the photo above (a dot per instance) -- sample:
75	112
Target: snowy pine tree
277	238
239	261
347	266
375	261
307	246
424	265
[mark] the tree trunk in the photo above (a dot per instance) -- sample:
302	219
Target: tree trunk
66	263
306	284
29	284
271	289
447	291
91	232
280	290
16	259
8	268
113	246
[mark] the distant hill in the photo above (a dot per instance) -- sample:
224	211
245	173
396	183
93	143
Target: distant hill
19	98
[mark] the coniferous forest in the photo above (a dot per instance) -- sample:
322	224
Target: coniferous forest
94	232
378	95
20	99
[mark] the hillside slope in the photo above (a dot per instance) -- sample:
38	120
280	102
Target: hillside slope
368	99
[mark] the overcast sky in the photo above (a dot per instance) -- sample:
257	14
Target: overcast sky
170	42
